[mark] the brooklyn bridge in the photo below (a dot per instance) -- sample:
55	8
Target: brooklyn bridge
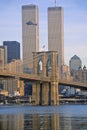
45	78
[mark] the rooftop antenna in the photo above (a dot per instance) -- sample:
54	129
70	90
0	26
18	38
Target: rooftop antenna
55	3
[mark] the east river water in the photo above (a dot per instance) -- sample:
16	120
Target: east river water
63	117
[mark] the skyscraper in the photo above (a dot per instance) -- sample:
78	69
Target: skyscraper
30	33
13	50
75	63
56	33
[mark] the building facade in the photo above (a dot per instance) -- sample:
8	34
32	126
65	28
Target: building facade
3	56
3	61
30	34
66	73
75	63
80	75
16	66
56	33
13	84
13	50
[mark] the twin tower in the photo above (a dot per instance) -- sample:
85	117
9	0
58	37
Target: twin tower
30	33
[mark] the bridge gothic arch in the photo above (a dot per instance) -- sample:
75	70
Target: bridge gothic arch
45	64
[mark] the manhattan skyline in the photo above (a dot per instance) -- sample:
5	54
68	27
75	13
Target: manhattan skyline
75	24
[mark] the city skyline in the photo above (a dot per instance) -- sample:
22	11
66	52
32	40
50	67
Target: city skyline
75	24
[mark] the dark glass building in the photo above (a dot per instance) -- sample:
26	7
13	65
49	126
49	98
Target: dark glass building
13	50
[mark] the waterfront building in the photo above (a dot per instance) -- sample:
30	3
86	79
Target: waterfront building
3	61
30	34
75	63
3	56
80	75
12	85
56	33
13	50
4	92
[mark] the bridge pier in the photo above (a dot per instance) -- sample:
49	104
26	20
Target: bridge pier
35	93
44	94
54	100
40	94
49	94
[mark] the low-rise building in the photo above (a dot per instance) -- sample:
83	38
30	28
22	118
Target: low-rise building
12	84
80	75
66	73
4	92
15	66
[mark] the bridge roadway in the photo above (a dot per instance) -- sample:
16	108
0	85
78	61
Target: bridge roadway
33	77
72	100
23	76
72	83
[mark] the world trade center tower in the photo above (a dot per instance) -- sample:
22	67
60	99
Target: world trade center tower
30	34
56	33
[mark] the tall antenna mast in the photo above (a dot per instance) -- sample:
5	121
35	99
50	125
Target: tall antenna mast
55	3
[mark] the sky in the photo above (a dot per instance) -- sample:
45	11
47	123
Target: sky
75	24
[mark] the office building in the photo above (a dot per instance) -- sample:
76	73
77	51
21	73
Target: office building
56	33
75	63
3	56
13	50
30	34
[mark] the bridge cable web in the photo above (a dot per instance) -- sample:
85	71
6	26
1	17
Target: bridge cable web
26	61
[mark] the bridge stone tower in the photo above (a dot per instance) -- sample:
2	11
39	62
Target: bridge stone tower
45	64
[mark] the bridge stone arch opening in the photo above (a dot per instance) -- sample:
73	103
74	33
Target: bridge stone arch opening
45	93
40	66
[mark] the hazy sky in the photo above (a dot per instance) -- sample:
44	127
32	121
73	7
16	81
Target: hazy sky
75	24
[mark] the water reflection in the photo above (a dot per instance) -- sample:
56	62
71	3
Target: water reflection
43	121
11	122
29	122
